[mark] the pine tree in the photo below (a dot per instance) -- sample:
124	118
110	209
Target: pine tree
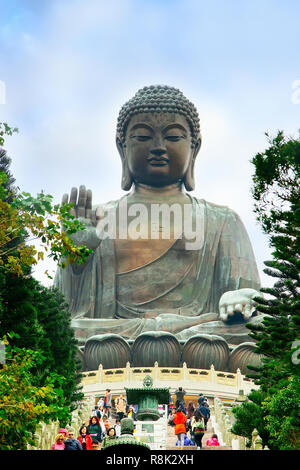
277	204
59	342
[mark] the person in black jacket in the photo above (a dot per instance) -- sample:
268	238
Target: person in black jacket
71	443
204	409
201	399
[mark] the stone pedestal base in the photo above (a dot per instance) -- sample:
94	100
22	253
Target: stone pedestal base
153	433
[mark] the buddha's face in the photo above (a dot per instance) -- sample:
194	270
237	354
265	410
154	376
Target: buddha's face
158	148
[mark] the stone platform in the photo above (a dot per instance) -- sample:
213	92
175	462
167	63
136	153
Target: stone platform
210	382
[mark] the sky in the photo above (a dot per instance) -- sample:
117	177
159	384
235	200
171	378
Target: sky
67	67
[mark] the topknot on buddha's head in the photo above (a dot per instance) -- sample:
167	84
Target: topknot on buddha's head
159	99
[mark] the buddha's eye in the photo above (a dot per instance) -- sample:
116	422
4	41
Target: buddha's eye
141	138
174	138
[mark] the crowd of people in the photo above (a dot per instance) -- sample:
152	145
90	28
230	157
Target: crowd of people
101	428
190	420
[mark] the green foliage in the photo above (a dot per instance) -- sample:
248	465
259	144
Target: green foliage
24	403
24	219
250	415
282	418
276	184
277	205
42	368
59	343
40	318
5	129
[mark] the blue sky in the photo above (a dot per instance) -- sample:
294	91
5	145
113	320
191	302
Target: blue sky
69	65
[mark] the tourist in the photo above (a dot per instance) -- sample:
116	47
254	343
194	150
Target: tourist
107	402
101	412
205	411
197	425
120	404
190	410
201	399
180	426
111	435
94	428
180	397
105	423
213	441
71	443
95	445
130	413
96	412
118	428
84	438
59	443
171	417
101	402
64	432
171	404
187	441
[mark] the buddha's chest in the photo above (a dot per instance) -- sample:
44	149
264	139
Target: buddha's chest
132	253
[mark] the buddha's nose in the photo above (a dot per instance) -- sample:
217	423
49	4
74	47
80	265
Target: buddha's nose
158	151
158	148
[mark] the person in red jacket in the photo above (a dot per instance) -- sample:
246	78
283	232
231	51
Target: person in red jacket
180	427
213	441
84	438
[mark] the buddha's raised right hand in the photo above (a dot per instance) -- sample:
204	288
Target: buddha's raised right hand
82	210
82	205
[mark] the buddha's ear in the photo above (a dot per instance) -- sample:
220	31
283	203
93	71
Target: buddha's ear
188	180
126	181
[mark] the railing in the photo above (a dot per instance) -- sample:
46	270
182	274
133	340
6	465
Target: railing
210	381
223	424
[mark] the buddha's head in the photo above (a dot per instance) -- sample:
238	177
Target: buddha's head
158	138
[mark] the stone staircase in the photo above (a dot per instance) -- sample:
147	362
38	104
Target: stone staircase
171	440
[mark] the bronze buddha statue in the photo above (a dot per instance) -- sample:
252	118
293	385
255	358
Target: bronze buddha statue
140	281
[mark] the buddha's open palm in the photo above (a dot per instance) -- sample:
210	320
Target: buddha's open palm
240	300
82	202
82	210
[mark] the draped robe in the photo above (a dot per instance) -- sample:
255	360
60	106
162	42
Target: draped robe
177	291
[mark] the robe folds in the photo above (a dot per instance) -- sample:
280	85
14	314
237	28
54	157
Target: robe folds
183	282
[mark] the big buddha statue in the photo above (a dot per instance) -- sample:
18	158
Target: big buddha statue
144	296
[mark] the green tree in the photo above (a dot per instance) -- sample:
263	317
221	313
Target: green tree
24	404
24	218
250	415
59	343
37	315
277	204
282	416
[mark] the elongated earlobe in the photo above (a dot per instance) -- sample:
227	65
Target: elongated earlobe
126	181
189	180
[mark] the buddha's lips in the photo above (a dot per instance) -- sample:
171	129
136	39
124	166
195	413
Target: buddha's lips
158	161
